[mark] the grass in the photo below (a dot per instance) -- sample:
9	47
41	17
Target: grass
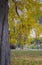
26	57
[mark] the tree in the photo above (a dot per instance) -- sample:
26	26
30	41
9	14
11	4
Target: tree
24	15
4	42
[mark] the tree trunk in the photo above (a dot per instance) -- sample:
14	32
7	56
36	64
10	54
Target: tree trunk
4	42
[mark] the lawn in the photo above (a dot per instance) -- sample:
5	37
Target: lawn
23	57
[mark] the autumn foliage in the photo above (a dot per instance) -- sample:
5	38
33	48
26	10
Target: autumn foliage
24	16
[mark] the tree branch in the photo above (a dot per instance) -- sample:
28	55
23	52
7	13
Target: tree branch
15	7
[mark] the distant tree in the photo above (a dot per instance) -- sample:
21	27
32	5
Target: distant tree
24	15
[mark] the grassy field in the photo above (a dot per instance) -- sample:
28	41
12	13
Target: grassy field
22	57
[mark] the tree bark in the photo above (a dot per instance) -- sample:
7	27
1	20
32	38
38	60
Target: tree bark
4	41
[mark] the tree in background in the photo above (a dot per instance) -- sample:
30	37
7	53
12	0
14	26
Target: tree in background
24	16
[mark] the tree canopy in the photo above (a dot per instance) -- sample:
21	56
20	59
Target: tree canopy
24	16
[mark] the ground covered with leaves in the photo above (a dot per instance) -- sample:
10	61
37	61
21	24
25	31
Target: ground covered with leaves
26	57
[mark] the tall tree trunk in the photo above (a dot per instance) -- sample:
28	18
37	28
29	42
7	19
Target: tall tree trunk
4	43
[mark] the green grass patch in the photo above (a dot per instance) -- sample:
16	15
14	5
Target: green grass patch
26	53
